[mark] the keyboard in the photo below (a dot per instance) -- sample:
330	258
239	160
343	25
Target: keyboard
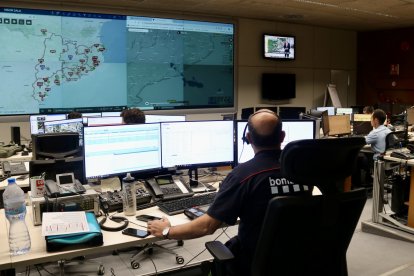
177	206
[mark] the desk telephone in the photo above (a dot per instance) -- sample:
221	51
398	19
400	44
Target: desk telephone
14	168
166	187
65	185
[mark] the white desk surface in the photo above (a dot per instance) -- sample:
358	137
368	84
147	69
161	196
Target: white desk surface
112	241
409	162
5	258
22	183
18	158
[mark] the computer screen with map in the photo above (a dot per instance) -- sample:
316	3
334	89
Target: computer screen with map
37	122
69	125
59	61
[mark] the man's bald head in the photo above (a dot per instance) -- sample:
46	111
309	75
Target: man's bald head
265	129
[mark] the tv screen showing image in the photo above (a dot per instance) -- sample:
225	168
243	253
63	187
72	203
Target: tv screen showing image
280	47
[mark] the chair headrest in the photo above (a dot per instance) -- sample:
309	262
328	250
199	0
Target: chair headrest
320	162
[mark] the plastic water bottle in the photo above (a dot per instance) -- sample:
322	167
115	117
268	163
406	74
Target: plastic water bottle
129	195
15	210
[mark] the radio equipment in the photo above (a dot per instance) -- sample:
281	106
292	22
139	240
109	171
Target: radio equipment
89	202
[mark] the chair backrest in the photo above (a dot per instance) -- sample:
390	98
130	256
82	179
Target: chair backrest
396	139
324	163
310	235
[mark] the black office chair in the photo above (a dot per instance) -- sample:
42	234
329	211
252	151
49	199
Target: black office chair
396	139
310	235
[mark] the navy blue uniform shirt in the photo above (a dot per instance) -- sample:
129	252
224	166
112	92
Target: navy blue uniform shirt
245	194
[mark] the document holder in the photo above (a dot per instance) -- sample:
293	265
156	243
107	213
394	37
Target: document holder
92	238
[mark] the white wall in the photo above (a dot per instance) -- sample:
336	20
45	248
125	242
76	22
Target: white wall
322	55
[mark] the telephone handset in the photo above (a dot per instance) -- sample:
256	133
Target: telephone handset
14	168
65	185
166	187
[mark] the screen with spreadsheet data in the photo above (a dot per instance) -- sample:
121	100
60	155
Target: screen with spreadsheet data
197	143
113	150
294	130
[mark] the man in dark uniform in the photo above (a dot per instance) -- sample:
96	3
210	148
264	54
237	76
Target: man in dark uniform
244	194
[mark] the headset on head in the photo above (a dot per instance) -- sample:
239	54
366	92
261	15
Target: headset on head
244	138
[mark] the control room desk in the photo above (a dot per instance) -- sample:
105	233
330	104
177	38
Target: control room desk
18	157
382	223
38	254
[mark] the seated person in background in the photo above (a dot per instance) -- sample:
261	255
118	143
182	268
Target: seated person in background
244	194
74	115
368	109
376	138
133	116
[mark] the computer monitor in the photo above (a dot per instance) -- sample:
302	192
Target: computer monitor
69	125
149	118
55	145
197	144
294	129
410	116
325	123
49	168
93	114
339	125
37	122
115	150
361	124
330	109
104	121
290	112
317	114
111	114
86	116
344	111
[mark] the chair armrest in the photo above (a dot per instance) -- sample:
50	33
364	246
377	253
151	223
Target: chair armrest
219	251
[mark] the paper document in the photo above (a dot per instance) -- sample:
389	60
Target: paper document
61	223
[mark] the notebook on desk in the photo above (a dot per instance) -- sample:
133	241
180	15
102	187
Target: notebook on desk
91	238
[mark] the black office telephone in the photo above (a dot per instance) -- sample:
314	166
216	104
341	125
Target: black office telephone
65	185
167	187
15	168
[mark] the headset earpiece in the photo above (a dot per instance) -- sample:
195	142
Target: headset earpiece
244	138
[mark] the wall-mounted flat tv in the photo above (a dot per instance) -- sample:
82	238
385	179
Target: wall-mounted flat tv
278	86
280	47
59	61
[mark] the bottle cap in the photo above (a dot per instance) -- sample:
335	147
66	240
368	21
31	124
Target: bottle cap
128	178
11	180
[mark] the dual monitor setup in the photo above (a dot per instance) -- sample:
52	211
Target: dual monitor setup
114	150
149	148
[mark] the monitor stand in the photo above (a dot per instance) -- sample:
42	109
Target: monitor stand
196	185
